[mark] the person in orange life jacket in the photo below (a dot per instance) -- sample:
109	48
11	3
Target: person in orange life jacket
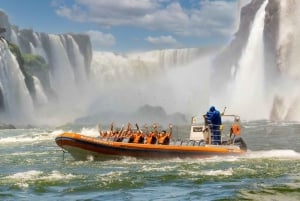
235	128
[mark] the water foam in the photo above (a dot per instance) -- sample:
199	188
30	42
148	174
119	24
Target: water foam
279	154
227	172
28	136
24	179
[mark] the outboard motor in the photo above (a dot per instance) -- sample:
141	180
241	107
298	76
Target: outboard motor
241	143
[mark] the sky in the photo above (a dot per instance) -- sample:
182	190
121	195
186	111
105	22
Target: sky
131	25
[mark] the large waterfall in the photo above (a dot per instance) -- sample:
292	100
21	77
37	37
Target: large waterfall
256	75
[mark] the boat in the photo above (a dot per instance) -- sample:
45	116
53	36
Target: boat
150	145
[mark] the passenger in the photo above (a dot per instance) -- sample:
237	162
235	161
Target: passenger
152	136
164	138
213	118
161	137
128	130
110	133
119	135
138	136
235	129
112	127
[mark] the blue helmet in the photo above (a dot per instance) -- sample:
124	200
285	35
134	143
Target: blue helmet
212	109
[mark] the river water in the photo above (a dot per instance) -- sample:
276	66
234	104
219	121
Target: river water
33	168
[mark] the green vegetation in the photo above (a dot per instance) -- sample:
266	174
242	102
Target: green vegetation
33	63
16	51
30	65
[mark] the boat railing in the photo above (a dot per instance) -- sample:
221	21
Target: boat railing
223	130
208	130
188	142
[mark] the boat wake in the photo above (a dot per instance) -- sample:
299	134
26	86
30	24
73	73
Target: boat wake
276	153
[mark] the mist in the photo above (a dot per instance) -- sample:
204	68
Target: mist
255	75
128	84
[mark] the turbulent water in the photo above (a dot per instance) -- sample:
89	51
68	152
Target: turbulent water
33	168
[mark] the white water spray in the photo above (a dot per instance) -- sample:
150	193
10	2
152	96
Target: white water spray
175	79
248	94
39	90
17	100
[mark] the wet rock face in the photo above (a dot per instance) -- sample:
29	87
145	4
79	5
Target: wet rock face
1	101
277	111
7	126
4	24
85	47
271	31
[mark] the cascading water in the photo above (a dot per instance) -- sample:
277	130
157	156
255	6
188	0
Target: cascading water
247	89
40	92
77	61
18	105
38	47
68	77
112	77
57	86
62	75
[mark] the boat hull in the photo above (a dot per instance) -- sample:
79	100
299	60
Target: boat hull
82	147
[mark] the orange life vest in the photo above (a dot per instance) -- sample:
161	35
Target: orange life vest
236	129
138	138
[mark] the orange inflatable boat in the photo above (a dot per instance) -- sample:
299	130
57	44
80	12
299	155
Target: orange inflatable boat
151	145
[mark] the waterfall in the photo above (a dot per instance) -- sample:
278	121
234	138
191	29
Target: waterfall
40	92
107	66
38	48
62	74
18	105
77	61
248	92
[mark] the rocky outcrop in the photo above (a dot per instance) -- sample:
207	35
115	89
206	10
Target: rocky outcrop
148	113
1	100
4	23
7	126
271	31
145	114
278	110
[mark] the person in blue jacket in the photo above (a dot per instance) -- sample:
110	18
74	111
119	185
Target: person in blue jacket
214	121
